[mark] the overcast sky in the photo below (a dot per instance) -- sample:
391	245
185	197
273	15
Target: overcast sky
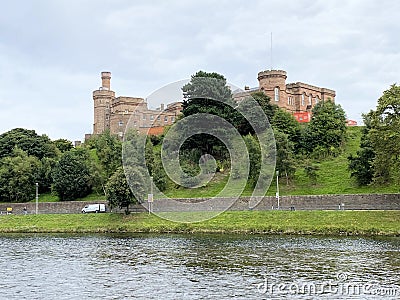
52	52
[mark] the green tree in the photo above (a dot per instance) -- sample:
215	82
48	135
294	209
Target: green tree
265	102
286	123
118	192
285	157
63	145
361	165
326	132
27	140
71	175
246	106
207	93
108	148
254	151
384	136
45	179
18	175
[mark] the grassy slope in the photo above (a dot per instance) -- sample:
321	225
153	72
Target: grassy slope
333	178
298	222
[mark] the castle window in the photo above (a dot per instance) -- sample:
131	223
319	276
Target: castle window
151	117
316	100
302	100
144	117
165	119
172	119
158	118
276	91
309	100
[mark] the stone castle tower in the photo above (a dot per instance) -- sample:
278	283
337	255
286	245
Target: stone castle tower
103	98
273	84
114	113
294	97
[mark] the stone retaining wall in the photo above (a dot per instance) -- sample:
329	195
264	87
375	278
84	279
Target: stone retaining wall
320	202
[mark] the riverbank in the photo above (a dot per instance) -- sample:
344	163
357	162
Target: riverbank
366	223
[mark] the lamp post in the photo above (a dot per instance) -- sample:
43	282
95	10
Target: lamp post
277	187
37	197
150	198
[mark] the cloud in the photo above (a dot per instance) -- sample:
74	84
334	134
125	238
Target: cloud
51	53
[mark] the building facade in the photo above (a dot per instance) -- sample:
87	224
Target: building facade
296	97
114	113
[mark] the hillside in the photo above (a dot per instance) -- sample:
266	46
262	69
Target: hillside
333	178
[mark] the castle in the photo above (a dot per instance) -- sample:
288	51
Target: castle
297	98
113	113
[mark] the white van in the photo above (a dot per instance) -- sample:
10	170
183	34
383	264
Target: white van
94	208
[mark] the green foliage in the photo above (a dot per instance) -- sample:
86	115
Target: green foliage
207	93
18	175
71	175
285	157
265	102
63	145
384	136
108	149
254	151
325	134
45	179
27	140
118	192
361	164
286	123
246	106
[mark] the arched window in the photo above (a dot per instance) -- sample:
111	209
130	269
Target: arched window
302	100
310	99
276	92
316	99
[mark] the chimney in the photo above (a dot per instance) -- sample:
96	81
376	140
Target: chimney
105	80
162	107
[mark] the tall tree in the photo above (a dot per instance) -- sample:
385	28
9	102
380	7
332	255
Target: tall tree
118	191
246	106
285	160
18	175
71	175
384	136
361	164
27	140
63	145
207	93
108	149
326	132
286	123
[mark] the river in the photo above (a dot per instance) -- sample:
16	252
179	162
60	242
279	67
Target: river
198	267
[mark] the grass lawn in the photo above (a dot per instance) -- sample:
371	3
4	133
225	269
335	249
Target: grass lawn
243	222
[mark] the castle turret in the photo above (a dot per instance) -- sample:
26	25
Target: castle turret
273	84
102	104
105	80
